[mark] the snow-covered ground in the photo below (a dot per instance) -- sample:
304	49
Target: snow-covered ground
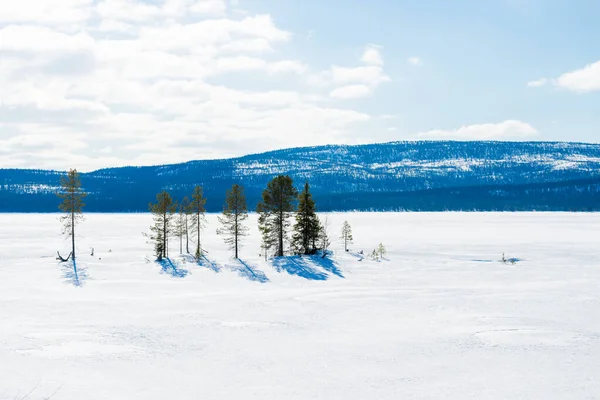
441	318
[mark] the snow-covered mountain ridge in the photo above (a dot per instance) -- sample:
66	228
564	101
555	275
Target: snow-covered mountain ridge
423	175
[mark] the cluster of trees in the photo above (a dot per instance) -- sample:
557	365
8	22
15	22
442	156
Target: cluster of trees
184	220
278	205
281	203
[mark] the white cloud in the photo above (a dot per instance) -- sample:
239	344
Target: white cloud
244	63
354	82
257	45
30	39
416	61
510	129
209	7
372	76
127	10
372	56
350	92
140	82
111	25
538	83
287	66
55	12
586	79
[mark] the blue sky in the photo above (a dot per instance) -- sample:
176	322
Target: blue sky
95	83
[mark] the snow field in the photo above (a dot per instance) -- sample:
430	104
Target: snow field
440	318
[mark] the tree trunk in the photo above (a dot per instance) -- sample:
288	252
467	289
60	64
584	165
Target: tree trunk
236	234
280	249
187	236
199	250
164	249
73	234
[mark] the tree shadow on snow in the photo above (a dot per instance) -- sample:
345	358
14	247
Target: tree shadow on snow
168	267
327	264
203	262
296	265
73	274
250	272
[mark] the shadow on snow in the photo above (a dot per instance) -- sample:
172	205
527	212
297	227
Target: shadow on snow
168	267
72	274
203	262
327	264
250	272
305	266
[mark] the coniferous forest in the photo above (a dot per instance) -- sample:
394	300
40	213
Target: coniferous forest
416	176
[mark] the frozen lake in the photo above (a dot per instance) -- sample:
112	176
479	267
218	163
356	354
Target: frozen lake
440	318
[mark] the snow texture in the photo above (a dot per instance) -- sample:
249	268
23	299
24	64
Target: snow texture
439	318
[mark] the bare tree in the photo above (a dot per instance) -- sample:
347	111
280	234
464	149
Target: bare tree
324	241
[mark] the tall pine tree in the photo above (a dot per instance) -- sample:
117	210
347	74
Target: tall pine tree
180	225
235	213
307	227
163	212
186	206
274	212
197	210
72	204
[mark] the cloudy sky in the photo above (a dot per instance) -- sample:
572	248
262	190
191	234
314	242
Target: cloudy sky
95	83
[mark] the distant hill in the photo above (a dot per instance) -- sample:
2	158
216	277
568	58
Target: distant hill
425	176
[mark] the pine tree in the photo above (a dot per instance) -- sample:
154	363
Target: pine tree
381	250
187	210
162	211
374	255
275	211
197	209
346	235
72	196
307	227
235	213
180	226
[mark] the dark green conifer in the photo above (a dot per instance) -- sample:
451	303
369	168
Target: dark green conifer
307	227
235	213
162	212
274	212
